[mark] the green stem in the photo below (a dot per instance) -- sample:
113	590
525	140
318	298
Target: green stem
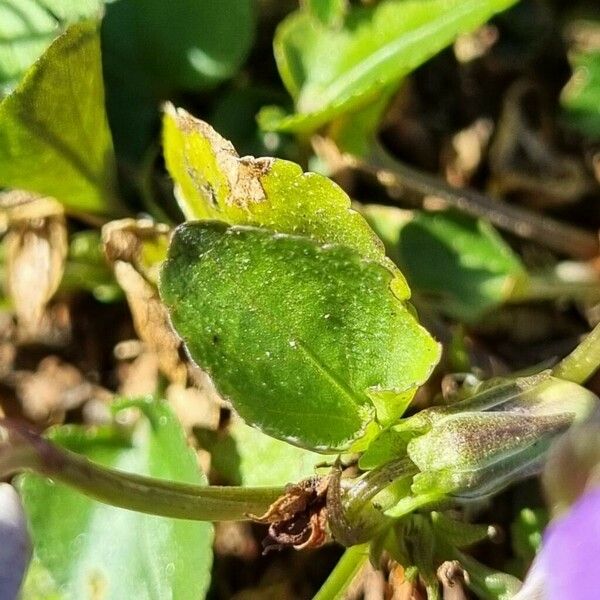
344	573
550	286
352	517
377	480
143	179
581	364
22	450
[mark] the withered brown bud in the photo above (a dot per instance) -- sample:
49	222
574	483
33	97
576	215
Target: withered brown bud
36	249
299	517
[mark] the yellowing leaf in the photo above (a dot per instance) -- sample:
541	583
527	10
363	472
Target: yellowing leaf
213	182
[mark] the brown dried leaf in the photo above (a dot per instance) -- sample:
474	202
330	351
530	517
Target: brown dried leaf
297	497
141	243
401	588
19	205
54	388
374	584
136	249
36	249
151	321
317	528
140	376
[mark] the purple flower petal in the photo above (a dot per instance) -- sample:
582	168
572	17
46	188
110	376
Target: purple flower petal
571	552
534	586
15	547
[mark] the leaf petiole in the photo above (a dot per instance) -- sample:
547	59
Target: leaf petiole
24	450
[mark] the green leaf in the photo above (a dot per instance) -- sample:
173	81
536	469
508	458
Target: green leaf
331	72
461	264
186	45
328	12
27	27
212	182
581	96
355	132
305	339
245	456
526	531
54	137
387	446
86	549
234	116
153	50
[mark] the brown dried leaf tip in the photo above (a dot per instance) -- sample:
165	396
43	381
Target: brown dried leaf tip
454	580
299	517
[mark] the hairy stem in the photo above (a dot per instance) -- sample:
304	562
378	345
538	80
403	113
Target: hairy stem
23	450
581	364
566	239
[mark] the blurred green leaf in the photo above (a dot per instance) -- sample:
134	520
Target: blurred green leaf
307	341
180	45
526	534
27	27
54	137
87	549
355	132
330	72
153	49
328	12
581	96
234	117
213	182
461	264
87	269
245	456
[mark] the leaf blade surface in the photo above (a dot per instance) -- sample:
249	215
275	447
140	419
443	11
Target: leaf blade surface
302	337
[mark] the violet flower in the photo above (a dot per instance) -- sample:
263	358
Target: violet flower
15	546
569	561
